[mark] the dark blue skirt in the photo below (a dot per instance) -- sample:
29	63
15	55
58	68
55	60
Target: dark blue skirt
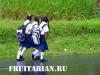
28	41
43	44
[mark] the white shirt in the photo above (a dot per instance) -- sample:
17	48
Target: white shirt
26	22
35	25
44	29
29	27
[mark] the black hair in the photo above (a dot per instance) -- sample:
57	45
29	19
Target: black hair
45	19
36	18
29	17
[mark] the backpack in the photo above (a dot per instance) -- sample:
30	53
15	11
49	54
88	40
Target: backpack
21	32
36	35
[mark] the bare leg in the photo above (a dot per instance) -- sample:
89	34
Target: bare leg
19	52
35	53
22	51
41	55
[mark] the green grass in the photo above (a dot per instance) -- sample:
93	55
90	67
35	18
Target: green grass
52	8
77	36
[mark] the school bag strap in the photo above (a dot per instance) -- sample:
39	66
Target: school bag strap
24	28
36	35
42	27
35	24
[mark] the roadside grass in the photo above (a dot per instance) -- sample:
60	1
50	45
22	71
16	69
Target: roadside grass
65	37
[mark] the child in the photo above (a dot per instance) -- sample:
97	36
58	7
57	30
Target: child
29	42
35	26
43	34
23	45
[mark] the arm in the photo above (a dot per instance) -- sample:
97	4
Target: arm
31	29
46	29
46	34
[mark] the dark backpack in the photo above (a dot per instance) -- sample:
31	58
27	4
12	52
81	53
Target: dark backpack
21	32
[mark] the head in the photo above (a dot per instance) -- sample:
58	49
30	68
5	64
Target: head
45	18
29	17
36	18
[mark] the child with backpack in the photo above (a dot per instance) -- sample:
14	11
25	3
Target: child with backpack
35	37
34	27
42	47
29	41
24	37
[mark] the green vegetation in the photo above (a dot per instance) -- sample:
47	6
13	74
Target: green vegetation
77	36
53	8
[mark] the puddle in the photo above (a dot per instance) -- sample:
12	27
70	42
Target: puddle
76	65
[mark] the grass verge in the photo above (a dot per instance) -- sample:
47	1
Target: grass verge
65	38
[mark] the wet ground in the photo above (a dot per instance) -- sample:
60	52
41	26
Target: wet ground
76	65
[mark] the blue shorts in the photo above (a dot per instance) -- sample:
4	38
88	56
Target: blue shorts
43	44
